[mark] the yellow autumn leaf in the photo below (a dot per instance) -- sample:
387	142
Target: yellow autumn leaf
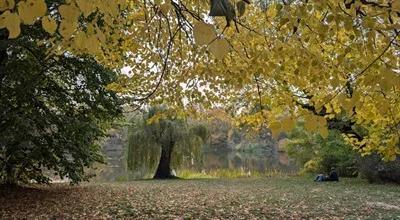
220	48
30	10
157	2
80	40
39	8
321	122
86	6
203	33
67	28
6	4
12	23
324	132
288	124
272	11
25	14
3	17
108	7
3	5
138	16
310	124
93	45
49	24
396	5
116	87
69	12
165	8
100	36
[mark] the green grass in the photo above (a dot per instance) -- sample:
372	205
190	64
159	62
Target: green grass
230	173
241	198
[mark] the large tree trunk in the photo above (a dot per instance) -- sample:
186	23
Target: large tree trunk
164	170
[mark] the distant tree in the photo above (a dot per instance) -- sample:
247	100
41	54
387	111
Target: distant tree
53	110
221	129
158	129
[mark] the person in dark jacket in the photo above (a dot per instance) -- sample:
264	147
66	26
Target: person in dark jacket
333	176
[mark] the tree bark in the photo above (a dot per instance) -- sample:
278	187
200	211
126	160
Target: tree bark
164	170
3	58
345	127
10	180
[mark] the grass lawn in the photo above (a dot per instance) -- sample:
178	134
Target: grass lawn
243	198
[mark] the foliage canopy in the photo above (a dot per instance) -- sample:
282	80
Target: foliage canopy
53	111
321	61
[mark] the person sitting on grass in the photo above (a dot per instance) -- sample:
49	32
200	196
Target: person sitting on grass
333	176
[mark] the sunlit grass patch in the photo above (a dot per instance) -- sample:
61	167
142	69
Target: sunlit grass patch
230	173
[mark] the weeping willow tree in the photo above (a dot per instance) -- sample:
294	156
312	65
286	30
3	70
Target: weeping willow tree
160	140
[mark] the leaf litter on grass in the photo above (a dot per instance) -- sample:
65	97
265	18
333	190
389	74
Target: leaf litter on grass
244	198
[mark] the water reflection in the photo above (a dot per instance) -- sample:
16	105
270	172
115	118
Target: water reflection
212	160
247	161
271	158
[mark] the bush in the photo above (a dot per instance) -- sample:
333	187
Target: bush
318	155
53	111
375	170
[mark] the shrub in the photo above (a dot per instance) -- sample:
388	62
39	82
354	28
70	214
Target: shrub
318	155
375	170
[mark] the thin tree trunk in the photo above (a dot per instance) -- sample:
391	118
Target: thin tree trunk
164	170
3	58
9	175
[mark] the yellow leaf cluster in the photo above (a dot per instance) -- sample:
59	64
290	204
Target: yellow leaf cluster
49	24
203	33
220	48
7	4
11	21
30	10
316	60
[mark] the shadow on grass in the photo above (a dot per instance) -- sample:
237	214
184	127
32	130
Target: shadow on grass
25	192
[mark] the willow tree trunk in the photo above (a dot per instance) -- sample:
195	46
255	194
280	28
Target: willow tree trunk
164	170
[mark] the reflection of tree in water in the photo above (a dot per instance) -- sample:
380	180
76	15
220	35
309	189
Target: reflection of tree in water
229	148
212	160
248	161
113	150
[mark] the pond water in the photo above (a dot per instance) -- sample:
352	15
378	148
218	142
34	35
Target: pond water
261	160
213	160
248	161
